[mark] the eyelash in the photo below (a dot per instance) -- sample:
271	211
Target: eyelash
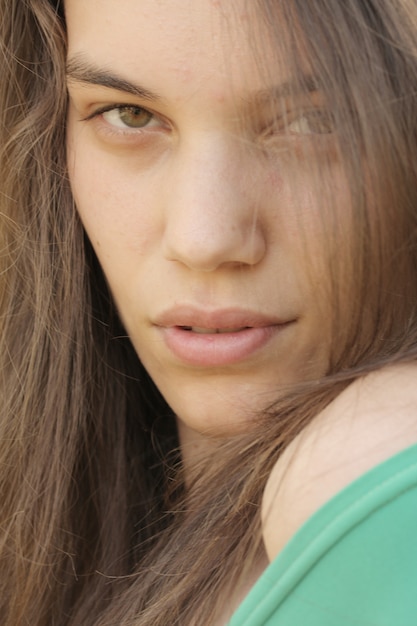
321	118
124	129
303	123
321	122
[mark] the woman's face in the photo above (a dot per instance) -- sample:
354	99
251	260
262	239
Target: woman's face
200	204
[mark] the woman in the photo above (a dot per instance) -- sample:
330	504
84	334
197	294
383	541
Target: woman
234	341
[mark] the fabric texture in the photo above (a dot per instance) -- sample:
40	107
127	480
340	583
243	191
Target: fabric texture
353	563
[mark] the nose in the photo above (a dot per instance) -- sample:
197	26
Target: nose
212	212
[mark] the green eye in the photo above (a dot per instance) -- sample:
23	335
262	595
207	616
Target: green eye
128	117
312	122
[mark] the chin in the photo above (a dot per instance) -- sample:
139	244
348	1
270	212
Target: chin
218	415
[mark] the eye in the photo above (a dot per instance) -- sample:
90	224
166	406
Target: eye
128	117
314	122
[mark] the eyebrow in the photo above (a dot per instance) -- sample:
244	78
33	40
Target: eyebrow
82	71
305	85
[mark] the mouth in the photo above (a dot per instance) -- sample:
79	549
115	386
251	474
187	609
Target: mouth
219	338
214	322
212	331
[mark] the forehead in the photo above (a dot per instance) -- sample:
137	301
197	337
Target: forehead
196	43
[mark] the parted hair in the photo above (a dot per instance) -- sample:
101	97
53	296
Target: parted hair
96	525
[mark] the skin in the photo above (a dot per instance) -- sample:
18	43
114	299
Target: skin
370	421
211	204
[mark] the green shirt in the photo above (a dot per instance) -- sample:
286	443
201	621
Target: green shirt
353	563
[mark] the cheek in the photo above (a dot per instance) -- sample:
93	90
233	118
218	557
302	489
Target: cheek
318	227
322	216
115	206
120	221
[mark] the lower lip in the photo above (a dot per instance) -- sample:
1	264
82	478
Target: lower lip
217	349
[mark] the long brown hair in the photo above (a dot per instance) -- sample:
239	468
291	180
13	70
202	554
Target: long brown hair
89	470
78	413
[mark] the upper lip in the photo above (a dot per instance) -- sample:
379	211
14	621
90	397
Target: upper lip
191	316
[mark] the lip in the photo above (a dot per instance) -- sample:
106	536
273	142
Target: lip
217	349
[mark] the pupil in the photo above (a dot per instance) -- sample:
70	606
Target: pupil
135	116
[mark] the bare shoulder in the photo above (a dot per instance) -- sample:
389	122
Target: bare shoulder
373	419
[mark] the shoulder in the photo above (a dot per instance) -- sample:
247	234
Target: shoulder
372	420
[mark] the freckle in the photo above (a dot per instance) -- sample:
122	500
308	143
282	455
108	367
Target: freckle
182	72
219	97
274	179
